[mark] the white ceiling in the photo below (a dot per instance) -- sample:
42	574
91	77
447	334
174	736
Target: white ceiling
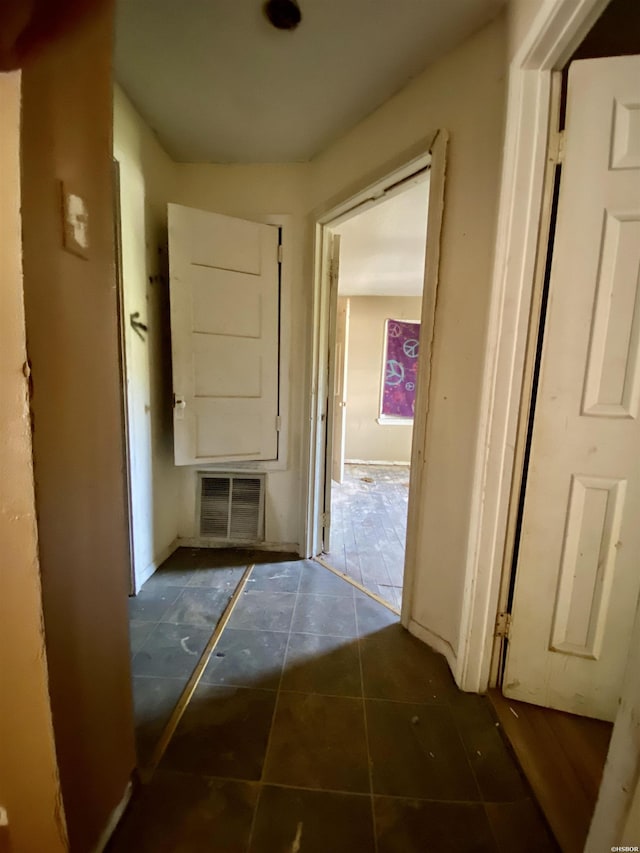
219	84
382	249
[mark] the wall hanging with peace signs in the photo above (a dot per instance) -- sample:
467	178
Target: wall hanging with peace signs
402	345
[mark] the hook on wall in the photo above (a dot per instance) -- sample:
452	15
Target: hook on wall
137	325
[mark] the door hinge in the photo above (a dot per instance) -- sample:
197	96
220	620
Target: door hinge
325	519
278	423
556	147
279	253
503	625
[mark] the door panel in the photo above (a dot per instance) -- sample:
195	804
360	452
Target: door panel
578	576
224	336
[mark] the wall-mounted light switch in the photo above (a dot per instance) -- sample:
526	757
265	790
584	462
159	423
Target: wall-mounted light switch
75	222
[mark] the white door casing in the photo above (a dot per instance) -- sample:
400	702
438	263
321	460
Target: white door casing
385	181
224	293
340	388
333	271
577	579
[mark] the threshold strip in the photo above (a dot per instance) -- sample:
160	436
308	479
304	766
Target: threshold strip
185	697
358	585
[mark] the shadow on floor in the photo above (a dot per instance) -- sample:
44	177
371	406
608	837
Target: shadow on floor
321	725
170	622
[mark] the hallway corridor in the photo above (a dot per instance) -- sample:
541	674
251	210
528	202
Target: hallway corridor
321	726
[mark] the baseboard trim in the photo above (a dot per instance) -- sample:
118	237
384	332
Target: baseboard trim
155	564
114	819
438	644
196	542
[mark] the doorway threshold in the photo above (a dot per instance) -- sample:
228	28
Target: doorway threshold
323	562
562	756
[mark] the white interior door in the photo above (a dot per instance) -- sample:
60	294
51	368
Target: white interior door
224	291
578	572
340	389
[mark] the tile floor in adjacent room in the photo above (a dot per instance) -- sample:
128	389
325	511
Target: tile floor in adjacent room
369	527
321	726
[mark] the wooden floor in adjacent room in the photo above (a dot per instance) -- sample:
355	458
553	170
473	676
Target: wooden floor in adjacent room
369	527
563	757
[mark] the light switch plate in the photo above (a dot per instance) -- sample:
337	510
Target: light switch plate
75	221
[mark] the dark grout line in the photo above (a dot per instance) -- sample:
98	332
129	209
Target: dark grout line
163	677
268	592
323	695
261	781
366	736
443	704
325	594
468	757
240	687
345	637
372	794
401	797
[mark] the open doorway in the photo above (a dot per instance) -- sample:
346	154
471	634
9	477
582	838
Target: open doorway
375	348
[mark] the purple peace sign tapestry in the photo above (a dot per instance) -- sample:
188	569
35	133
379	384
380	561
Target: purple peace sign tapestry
400	368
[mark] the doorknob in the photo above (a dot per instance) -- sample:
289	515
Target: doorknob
179	405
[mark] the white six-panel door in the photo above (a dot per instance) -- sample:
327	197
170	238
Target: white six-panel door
224	292
578	573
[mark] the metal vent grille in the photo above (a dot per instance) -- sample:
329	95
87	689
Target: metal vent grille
232	507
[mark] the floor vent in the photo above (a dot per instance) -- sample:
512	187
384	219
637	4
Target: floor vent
231	507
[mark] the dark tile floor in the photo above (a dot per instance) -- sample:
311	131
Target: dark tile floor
369	527
321	726
170	622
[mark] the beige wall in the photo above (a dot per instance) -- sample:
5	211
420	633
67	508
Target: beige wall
70	311
29	782
463	92
366	439
146	177
631	831
520	15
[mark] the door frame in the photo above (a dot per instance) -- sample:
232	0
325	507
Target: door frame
554	34
528	390
340	389
428	153
124	372
333	240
